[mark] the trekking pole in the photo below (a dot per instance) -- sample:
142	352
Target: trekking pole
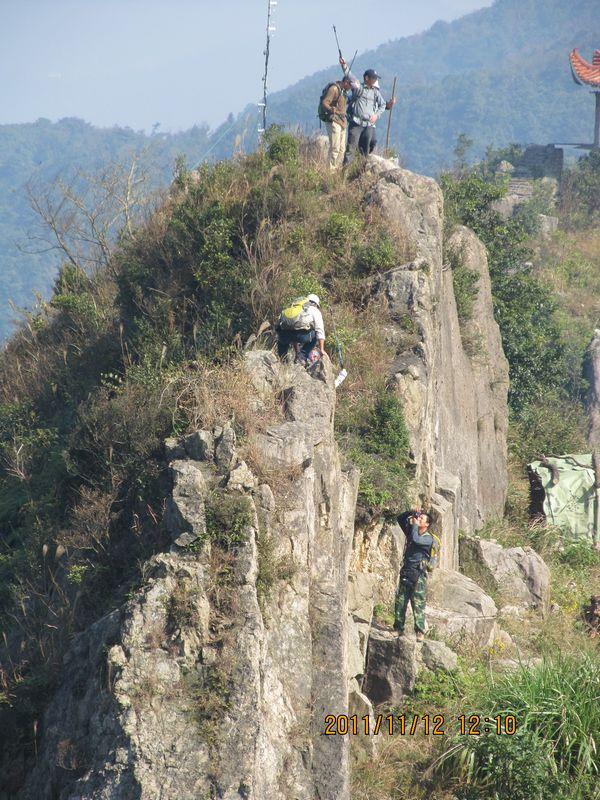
337	41
352	62
343	372
387	138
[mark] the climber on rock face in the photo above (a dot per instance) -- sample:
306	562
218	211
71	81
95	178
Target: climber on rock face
301	326
420	557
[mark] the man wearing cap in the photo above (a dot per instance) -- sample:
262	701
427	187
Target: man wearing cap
306	330
365	107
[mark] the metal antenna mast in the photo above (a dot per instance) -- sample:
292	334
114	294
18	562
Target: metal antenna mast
270	29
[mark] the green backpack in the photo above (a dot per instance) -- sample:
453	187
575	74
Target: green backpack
296	317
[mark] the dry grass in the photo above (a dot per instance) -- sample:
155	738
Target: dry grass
396	772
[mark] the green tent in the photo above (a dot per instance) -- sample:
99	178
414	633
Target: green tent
563	492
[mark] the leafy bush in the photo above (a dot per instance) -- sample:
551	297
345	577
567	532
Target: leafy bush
580	191
524	308
377	256
466	283
340	232
552	426
282	148
228	516
504	767
377	440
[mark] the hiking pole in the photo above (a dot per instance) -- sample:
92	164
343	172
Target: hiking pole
337	41
387	138
344	372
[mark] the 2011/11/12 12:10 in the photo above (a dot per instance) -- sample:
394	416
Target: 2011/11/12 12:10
402	725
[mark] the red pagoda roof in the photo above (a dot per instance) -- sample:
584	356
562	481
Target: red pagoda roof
583	72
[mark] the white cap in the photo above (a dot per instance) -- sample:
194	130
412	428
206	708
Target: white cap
313	298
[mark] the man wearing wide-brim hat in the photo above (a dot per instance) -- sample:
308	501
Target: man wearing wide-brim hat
364	109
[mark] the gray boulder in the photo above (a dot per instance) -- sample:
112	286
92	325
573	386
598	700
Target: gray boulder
518	574
458	607
184	512
391	667
438	657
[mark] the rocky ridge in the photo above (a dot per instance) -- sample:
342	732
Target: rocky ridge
205	684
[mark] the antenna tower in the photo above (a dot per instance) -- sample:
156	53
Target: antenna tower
270	30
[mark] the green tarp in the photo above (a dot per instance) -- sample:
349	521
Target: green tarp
570	503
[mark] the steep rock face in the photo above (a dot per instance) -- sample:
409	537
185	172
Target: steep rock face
454	399
132	717
455	403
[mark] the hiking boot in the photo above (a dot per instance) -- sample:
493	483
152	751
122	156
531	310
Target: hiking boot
419	636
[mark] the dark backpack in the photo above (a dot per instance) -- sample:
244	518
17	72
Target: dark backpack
322	113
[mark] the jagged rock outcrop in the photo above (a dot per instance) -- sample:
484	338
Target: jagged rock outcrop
216	677
455	404
153	703
518	574
457	608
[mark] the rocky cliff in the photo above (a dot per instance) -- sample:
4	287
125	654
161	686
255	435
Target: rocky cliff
215	679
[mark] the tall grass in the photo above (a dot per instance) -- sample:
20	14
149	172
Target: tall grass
557	708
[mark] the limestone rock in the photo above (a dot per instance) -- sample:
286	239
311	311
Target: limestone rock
174	449
225	456
361	745
200	445
361	595
184	513
391	667
453	395
457	606
519	574
241	478
438	657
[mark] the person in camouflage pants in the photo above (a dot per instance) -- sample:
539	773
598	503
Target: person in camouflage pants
417	594
420	556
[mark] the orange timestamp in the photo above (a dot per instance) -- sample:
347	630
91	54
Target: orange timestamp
410	725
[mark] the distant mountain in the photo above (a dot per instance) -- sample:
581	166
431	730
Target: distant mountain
499	75
40	152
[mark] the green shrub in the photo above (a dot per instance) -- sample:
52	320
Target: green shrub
386	433
340	232
377	256
554	751
524	308
282	148
552	425
500	767
376	439
271	567
466	289
228	516
558	701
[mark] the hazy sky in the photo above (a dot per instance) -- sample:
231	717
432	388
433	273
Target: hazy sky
180	62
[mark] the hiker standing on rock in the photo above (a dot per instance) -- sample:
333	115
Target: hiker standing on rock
332	111
301	326
364	109
420	557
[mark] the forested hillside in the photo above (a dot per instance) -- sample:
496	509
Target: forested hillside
499	75
35	155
